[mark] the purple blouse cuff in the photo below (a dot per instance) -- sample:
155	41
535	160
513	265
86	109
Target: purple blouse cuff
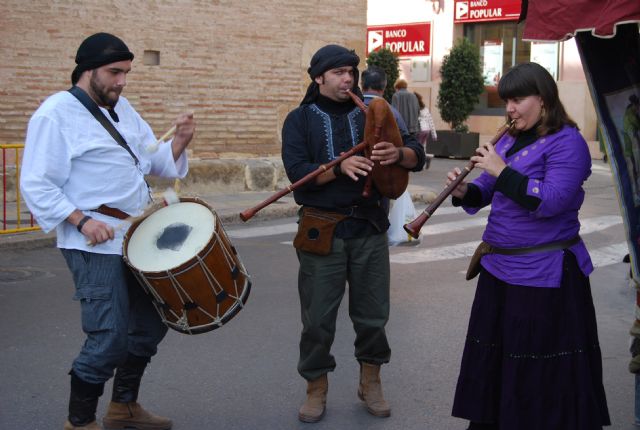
533	188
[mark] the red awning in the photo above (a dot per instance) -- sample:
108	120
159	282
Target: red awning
561	19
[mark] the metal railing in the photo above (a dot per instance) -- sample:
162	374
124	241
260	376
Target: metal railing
12	152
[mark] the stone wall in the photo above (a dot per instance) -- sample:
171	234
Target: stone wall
228	176
239	65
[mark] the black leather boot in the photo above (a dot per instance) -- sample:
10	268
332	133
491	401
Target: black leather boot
124	412
83	401
126	383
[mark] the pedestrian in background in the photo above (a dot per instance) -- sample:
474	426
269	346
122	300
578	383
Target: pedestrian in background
427	129
407	104
532	358
341	234
77	178
374	81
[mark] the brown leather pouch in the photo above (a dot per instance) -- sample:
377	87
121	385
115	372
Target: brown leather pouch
474	265
315	231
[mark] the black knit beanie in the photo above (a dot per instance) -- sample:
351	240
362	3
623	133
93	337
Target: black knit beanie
327	58
97	50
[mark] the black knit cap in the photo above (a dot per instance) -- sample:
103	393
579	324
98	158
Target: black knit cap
97	50
326	58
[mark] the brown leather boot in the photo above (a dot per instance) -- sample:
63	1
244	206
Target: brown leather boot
93	425
133	416
124	410
370	390
313	407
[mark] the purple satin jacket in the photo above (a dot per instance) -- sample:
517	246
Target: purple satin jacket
557	165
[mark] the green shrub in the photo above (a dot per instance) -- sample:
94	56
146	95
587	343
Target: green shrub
462	83
387	61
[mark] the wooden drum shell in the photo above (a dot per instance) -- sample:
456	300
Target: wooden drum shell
202	293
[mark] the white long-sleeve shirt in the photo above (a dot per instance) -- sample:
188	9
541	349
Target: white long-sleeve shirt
426	123
71	162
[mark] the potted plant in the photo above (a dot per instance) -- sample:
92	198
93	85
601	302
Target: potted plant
462	83
387	61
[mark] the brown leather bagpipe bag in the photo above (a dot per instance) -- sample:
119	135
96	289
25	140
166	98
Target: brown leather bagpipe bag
390	180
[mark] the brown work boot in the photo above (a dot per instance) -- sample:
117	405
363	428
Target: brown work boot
313	408
370	390
133	416
93	425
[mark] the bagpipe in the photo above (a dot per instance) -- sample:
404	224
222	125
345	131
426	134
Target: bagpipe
380	126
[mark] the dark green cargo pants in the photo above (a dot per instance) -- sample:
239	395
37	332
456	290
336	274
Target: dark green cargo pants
364	264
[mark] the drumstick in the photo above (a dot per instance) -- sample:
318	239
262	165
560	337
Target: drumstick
154	146
169	197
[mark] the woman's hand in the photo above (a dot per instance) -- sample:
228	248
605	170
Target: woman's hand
461	189
488	159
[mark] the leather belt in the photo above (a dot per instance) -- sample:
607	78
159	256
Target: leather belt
112	212
355	211
551	246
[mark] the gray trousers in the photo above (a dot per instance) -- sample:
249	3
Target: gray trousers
364	264
117	315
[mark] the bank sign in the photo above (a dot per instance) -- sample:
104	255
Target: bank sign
405	40
486	10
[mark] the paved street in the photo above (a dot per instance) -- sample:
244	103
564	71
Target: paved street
243	375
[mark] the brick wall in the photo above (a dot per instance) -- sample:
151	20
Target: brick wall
240	65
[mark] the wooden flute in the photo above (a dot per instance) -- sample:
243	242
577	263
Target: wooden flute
414	227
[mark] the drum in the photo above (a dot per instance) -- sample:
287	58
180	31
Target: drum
181	255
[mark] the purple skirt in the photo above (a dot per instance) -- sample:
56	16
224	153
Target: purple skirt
532	360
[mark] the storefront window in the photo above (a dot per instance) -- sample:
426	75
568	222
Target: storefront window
546	54
501	47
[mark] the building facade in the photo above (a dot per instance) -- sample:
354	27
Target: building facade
492	25
239	65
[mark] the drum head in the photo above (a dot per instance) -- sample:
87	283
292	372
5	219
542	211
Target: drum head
171	236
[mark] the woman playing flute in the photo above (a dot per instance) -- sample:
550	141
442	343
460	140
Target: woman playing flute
531	358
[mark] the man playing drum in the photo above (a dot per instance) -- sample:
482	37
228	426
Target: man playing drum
347	240
79	179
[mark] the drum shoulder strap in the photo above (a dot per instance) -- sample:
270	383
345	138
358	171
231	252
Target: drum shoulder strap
92	107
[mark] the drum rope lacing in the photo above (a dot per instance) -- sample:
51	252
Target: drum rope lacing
173	289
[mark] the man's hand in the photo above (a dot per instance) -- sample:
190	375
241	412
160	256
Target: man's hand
185	127
97	231
356	165
386	153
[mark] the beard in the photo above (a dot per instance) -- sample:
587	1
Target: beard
103	95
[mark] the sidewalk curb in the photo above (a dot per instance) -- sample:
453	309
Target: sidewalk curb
29	240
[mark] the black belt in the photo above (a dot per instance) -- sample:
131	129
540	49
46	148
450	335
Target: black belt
551	246
374	215
354	211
